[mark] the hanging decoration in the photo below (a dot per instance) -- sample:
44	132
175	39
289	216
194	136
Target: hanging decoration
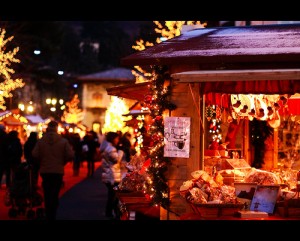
213	114
156	186
258	106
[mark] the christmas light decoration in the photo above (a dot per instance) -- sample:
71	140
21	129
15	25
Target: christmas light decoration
6	59
114	119
213	115
73	115
156	186
168	30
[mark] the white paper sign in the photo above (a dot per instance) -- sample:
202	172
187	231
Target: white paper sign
177	137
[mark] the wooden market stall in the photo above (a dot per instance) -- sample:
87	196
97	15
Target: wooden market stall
13	120
206	63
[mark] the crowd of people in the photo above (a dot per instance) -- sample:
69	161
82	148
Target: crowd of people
48	155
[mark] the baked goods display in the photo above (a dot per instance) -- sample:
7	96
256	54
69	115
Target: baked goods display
204	189
262	177
232	175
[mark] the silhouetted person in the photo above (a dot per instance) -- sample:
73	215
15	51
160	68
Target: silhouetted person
76	143
14	152
4	165
53	152
33	162
91	140
126	146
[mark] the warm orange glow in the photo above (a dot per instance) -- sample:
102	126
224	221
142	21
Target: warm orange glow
168	30
114	119
6	59
73	114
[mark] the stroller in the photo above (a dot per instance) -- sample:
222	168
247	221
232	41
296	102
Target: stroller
25	199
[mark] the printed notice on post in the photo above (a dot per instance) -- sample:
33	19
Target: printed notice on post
177	137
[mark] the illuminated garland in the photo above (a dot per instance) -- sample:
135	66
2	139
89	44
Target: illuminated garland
213	116
7	83
156	185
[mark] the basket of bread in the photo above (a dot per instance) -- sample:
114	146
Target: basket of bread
209	196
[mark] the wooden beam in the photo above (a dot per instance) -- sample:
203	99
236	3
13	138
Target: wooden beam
237	75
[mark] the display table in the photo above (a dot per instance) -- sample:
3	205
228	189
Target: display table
134	205
288	210
196	216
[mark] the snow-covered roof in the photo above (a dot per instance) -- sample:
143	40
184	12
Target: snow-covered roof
225	46
115	74
35	119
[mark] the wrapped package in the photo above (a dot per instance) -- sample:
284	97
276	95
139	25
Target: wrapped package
203	189
262	177
132	182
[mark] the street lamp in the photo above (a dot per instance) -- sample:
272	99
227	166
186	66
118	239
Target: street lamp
53	104
28	108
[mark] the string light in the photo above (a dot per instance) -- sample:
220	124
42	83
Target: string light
6	59
156	186
73	114
168	30
114	119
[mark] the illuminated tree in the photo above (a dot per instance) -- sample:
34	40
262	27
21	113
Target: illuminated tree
114	119
168	30
73	114
7	57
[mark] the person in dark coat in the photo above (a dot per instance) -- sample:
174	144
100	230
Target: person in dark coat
53	152
14	152
91	140
4	167
126	146
33	162
76	143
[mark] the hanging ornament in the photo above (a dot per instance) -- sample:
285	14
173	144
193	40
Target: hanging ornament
237	104
261	113
275	122
252	112
276	106
218	112
244	110
283	99
270	110
209	111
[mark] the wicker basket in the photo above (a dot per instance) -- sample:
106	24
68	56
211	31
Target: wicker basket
216	210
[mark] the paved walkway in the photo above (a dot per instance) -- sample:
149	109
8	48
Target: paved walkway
81	198
84	201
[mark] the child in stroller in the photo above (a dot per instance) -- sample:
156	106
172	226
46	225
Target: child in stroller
24	194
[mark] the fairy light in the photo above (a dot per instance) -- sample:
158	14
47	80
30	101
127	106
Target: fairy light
213	116
6	59
114	119
167	30
72	114
157	188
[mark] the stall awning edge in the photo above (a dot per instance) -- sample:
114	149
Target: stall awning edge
255	81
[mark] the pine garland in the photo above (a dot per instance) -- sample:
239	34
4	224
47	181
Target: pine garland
157	187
